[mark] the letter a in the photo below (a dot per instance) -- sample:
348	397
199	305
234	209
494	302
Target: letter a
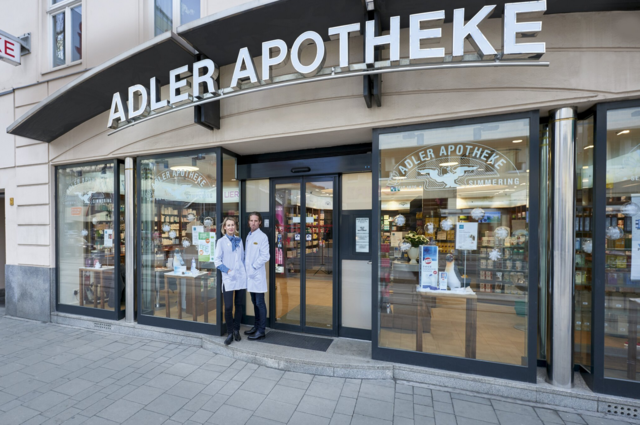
116	116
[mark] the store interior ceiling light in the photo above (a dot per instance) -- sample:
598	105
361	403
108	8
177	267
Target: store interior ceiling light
588	147
623	132
184	168
448	164
585	167
517	141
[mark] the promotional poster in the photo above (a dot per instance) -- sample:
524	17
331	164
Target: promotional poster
428	267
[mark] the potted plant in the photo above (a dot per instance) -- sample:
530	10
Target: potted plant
415	240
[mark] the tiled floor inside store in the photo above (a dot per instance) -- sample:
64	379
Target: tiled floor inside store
52	374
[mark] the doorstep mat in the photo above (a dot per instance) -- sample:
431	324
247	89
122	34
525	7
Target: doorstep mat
297	341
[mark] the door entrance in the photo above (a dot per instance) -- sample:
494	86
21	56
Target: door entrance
303	282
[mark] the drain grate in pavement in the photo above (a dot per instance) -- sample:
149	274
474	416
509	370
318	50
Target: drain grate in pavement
297	341
622	410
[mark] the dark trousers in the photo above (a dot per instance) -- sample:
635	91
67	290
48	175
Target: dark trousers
233	323
260	310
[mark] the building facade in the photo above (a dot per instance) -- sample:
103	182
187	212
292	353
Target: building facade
445	180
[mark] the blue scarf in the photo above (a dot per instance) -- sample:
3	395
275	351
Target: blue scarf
235	242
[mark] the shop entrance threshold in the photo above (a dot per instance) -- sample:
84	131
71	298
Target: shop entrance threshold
293	340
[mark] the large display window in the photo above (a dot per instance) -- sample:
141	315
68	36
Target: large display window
90	239
457	221
181	199
616	293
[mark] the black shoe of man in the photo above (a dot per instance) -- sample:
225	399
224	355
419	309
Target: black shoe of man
236	335
257	336
251	331
229	339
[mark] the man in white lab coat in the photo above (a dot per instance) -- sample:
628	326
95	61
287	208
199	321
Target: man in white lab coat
256	256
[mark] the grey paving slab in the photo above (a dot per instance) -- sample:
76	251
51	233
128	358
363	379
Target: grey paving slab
367	420
301	418
230	415
294	383
258	385
275	411
286	394
377	392
513	408
186	389
246	399
120	411
571	418
476	411
374	408
325	390
146	417
595	420
317	406
403	409
201	416
143	395
17	415
167	404
517	418
445	419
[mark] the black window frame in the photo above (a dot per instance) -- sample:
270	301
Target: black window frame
117	313
460	364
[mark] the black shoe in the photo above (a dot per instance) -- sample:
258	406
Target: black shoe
229	339
236	335
251	331
256	336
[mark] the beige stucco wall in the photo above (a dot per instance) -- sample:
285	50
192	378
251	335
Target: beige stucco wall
593	57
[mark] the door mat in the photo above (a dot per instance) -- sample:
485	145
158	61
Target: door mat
297	341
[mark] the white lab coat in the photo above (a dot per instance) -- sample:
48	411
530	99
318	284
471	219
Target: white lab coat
256	257
236	279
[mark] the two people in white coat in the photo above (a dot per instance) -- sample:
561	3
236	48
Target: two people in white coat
229	259
257	255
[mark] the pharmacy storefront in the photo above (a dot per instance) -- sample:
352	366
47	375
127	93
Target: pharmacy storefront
462	191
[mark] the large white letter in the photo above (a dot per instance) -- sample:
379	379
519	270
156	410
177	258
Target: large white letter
208	78
276	62
342	33
305	39
471	33
244	58
116	115
175	85
417	34
510	27
392	39
138	108
154	95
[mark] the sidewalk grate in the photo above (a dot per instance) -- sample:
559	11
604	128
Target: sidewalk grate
100	325
622	410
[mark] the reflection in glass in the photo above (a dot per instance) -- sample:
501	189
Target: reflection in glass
178	202
76	33
437	177
288	246
58	38
319	254
584	236
163	16
189	11
257	198
622	264
86	234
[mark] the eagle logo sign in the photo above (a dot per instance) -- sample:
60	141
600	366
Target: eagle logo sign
447	175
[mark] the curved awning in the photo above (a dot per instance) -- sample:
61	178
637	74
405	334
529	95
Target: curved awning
220	36
90	94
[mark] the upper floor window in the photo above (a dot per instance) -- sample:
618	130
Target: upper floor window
65	17
170	14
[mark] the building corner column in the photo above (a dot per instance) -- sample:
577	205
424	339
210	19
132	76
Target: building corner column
129	239
562	128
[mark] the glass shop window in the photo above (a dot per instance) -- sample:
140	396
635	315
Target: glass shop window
454	253
178	235
164	11
89	244
622	255
65	19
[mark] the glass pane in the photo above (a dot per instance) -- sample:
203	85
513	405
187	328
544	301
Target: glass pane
584	242
56	1
356	294
319	254
58	38
257	195
163	16
85	229
120	238
622	259
356	191
288	253
76	33
189	11
454	241
178	215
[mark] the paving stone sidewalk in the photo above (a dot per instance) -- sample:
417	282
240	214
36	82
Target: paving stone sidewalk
52	374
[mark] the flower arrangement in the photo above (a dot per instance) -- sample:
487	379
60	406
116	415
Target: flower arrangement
415	239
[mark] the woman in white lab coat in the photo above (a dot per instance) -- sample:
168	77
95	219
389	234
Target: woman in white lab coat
229	259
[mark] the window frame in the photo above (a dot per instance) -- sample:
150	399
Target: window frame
460	364
118	312
175	20
65	7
